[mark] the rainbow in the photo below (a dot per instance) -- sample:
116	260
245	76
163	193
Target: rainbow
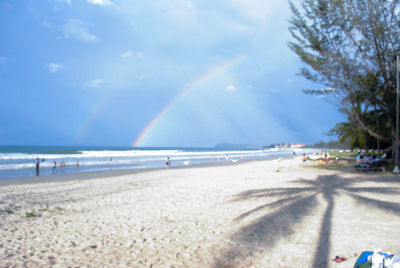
95	111
212	72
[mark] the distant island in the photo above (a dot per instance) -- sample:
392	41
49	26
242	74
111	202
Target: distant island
231	146
321	144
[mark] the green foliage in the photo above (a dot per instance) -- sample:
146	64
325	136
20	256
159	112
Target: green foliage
350	47
8	211
33	213
353	136
331	145
30	214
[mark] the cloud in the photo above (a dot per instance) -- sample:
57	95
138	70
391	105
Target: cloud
127	54
100	2
231	88
194	24
272	89
258	10
145	76
75	29
97	82
64	1
53	67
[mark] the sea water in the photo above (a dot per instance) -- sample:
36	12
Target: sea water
19	161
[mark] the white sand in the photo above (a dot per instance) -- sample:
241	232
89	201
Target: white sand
255	214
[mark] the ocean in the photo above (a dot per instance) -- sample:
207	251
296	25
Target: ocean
20	161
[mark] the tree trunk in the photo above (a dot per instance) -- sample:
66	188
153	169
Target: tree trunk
369	130
394	145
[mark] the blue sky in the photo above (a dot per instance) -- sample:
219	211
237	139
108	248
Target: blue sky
153	73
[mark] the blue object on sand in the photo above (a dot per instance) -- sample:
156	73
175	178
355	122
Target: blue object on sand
363	258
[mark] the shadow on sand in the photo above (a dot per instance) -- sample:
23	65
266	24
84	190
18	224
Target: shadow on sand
291	205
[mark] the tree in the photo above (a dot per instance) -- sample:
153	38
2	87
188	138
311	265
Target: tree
349	47
353	136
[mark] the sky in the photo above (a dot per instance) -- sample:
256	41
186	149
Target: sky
154	73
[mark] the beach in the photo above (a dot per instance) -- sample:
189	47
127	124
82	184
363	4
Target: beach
265	213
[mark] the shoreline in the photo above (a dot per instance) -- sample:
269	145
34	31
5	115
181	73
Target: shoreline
21	164
264	213
77	176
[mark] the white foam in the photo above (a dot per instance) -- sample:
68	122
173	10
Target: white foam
132	158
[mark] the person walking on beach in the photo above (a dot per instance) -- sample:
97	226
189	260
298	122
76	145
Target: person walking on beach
168	163
37	166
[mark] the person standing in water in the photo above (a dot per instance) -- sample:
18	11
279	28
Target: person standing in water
168	163
37	166
55	167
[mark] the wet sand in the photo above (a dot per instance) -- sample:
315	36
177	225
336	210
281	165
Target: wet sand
254	214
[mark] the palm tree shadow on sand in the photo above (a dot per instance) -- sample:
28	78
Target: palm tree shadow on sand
293	204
